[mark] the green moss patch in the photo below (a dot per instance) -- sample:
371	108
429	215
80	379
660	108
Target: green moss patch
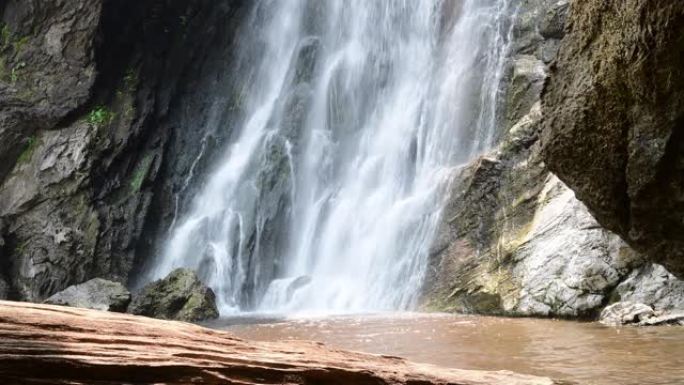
29	148
141	173
100	116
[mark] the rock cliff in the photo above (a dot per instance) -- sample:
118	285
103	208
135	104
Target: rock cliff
514	239
614	120
96	146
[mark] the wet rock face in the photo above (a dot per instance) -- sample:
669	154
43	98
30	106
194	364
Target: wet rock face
514	239
47	67
97	294
614	120
97	99
181	296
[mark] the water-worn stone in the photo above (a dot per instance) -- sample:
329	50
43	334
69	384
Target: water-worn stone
180	296
614	120
79	346
638	314
97	294
676	318
626	313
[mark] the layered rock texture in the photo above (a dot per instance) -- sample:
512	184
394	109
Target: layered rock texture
96	146
514	239
79	346
614	120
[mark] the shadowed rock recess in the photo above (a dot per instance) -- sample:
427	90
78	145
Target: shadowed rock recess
614	120
97	144
77	346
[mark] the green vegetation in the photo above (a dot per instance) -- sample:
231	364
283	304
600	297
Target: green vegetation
3	68
131	79
5	34
7	38
28	150
100	116
20	43
141	173
21	248
15	73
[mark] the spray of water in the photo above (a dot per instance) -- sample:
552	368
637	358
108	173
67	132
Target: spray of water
355	114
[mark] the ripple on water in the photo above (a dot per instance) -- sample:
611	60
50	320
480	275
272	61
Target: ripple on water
588	353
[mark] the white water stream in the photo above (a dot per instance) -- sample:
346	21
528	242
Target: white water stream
356	113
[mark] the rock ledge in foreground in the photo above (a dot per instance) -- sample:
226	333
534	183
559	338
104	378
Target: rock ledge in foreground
79	346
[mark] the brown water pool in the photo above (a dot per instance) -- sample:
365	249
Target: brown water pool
584	352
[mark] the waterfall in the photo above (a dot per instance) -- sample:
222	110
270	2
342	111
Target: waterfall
354	116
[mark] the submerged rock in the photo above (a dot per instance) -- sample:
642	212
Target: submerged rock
180	296
98	294
638	314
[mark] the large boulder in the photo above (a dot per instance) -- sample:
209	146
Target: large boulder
614	120
98	294
180	296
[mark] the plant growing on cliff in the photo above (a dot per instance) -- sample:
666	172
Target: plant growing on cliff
28	150
4	34
140	174
99	116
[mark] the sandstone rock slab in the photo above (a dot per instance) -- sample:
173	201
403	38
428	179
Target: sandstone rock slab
79	346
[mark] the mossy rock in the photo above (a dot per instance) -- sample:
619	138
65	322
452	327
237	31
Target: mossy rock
181	296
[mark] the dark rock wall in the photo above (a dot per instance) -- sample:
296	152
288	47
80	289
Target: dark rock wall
103	113
614	120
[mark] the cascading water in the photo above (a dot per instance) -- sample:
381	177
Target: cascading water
355	114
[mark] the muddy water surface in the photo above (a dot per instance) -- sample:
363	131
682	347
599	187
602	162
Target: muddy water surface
584	352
